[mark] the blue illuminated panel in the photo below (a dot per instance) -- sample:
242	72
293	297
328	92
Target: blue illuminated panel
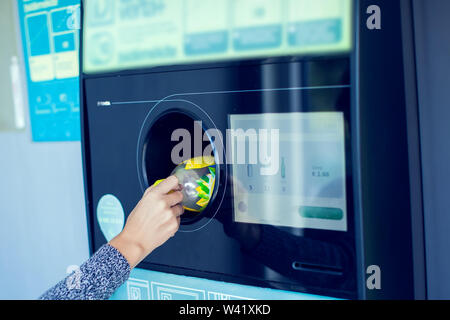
152	285
50	42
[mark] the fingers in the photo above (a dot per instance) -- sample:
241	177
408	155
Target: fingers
177	210
147	191
169	184
174	198
177	227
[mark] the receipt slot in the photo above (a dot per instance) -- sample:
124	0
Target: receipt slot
310	213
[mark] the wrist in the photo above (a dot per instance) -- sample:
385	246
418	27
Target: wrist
130	249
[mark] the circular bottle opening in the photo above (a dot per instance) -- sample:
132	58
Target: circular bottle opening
158	162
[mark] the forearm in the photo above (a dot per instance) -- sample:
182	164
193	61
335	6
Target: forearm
97	278
152	222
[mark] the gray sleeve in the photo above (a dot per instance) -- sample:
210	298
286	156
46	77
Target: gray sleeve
97	278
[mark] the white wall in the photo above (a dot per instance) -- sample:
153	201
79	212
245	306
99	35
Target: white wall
43	224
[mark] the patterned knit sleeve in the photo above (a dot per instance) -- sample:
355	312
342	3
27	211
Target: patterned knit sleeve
96	279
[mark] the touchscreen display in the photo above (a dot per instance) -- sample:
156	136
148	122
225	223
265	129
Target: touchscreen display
123	34
293	171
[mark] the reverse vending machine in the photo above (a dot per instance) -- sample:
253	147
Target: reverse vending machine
309	115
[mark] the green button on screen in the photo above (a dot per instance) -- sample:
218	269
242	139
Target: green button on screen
321	213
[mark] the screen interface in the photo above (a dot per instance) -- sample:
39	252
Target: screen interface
127	34
295	178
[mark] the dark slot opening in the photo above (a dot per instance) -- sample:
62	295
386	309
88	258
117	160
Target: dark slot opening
158	148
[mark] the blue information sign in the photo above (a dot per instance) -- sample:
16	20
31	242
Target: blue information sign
50	37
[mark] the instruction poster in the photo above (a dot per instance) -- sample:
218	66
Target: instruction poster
50	37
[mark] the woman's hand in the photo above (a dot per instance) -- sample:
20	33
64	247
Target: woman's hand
154	220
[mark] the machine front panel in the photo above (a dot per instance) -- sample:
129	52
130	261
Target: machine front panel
283	220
